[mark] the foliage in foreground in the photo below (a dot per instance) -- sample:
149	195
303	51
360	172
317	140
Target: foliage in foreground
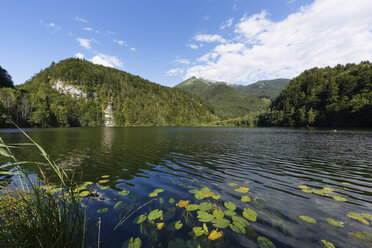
35	213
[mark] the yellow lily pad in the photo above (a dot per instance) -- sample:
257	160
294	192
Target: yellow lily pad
307	219
326	244
215	235
250	214
339	198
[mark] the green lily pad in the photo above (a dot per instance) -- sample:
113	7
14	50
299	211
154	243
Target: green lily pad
161	200
250	214
204	216
178	225
193	191
158	191
265	242
171	201
326	244
88	183
339	198
216	197
183	184
307	219
335	223
230	205
364	238
366	216
205	206
140	219
192	207
155	214
200	195
359	217
152	194
118	205
132	243
237	227
242	190
103	181
317	191
199	231
221	223
229	212
84	193
328	190
104	187
124	192
345	183
246	199
233	184
105	176
218	214
242	221
303	187
205	190
102	210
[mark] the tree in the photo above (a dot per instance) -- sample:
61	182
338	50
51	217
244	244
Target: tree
5	79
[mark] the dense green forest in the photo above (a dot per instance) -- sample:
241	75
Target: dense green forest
325	97
228	102
135	101
264	89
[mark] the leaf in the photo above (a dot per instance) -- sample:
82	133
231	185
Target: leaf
155	214
132	243
358	217
205	190
171	200
242	190
178	225
339	198
317	191
199	195
157	191
192	207
307	190
182	203
84	193
265	242
345	183
335	223
240	220
218	214
104	187
152	194
366	216
209	194
204	216
238	228
246	199
233	184
216	197
364	238
221	223
168	215
103	181
307	219
124	192
250	214
229	212
328	190
105	176
326	244
303	187
161	200
140	219
205	206
230	205
160	225
194	191
5	153
215	235
198	231
102	210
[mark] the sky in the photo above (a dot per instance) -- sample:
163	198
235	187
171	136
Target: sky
168	41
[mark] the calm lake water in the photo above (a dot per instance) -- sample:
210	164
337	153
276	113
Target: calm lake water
272	163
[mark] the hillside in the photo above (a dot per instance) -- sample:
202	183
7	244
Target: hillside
228	102
265	89
77	92
325	97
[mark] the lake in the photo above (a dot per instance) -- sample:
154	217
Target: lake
280	174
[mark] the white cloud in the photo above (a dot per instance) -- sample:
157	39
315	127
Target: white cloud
182	61
227	23
79	55
84	43
209	38
51	25
291	1
133	49
175	72
110	32
79	19
120	42
327	32
106	60
192	46
88	29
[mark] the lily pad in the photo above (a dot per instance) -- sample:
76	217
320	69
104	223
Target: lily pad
103	181
155	214
318	191
105	176
237	227
102	210
265	242
250	214
140	219
303	186
124	192
229	212
366	216
182	203
158	191
205	206
178	225
339	198
204	216
205	190
152	194
218	214
221	223
242	221
200	195
199	231
104	187
359	217
364	238
192	207
346	183
335	223
216	197
307	191
118	205
246	199
84	193
242	190
307	219
328	190
233	184
171	201
132	243
326	244
215	235
230	205
193	191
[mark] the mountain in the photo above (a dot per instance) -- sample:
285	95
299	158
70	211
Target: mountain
76	92
228	101
265	89
325	97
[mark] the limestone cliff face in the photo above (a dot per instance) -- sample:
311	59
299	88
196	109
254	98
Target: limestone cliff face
108	117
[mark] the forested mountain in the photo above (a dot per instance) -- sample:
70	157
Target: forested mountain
339	96
228	102
265	89
76	92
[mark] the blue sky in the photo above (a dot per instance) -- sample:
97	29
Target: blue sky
167	41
